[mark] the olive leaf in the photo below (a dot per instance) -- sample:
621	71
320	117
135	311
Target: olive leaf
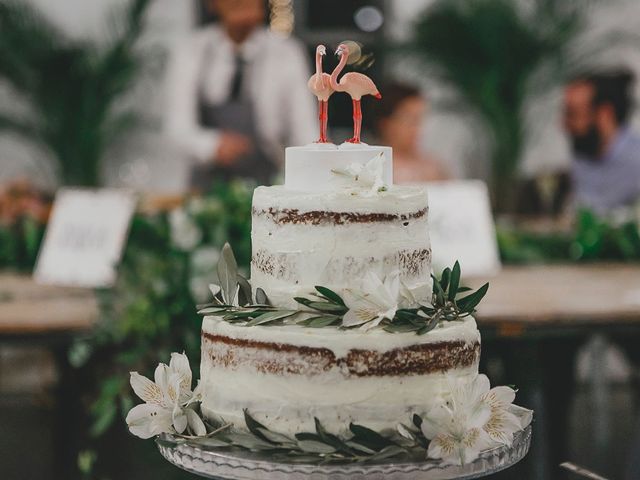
228	274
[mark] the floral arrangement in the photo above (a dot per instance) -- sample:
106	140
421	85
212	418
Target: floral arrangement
378	303
472	418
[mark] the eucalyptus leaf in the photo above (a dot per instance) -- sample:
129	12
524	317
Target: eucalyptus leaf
320	322
471	301
312	446
228	274
275	437
444	279
454	283
327	307
387	452
244	293
330	295
270	317
369	437
249	441
261	297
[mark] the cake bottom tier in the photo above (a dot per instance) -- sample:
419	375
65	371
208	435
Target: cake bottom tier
287	375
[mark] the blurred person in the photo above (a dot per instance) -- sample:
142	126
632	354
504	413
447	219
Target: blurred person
398	120
236	95
606	165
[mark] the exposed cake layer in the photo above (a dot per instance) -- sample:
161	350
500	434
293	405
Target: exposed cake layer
286	375
309	168
333	239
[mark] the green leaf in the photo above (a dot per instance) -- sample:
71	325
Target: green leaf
327	307
444	279
417	420
275	437
261	297
454	283
330	295
470	302
228	274
312	446
331	439
388	452
245	290
270	317
368	437
323	321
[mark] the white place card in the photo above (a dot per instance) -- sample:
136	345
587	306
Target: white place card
462	228
85	237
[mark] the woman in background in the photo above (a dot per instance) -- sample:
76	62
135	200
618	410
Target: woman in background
398	120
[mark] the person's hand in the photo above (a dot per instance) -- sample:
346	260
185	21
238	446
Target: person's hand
231	147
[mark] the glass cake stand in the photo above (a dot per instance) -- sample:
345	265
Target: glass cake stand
237	465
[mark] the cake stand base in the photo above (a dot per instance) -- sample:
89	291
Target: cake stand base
236	465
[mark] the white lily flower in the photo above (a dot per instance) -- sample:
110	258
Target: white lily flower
367	176
416	296
165	400
374	302
473	418
185	234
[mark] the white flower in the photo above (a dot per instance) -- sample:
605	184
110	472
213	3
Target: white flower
472	419
374	302
166	401
367	176
413	297
185	234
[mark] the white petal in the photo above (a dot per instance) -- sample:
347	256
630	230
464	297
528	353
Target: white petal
179	418
196	425
500	397
357	316
146	420
180	365
479	386
145	389
161	376
215	289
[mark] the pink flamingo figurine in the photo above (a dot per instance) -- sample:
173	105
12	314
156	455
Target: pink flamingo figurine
356	85
320	86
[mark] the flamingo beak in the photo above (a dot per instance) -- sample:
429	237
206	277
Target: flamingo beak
339	50
322	50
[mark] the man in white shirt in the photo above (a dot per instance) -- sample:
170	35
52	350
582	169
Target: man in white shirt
236	95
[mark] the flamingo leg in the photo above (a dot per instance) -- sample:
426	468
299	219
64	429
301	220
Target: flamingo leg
357	122
323	109
323	115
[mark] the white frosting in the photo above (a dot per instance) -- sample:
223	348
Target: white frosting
337	255
340	341
309	168
288	403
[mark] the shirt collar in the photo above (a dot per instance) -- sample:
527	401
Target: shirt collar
249	49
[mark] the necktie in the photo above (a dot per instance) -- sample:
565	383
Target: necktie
236	81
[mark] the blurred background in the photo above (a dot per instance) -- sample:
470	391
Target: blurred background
190	105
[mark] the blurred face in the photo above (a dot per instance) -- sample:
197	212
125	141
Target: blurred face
580	119
401	130
239	17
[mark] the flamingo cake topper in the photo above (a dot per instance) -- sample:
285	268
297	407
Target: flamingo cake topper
355	84
320	86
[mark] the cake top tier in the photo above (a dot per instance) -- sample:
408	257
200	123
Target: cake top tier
324	167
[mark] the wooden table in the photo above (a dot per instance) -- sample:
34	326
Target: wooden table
27	308
536	318
50	317
525	298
